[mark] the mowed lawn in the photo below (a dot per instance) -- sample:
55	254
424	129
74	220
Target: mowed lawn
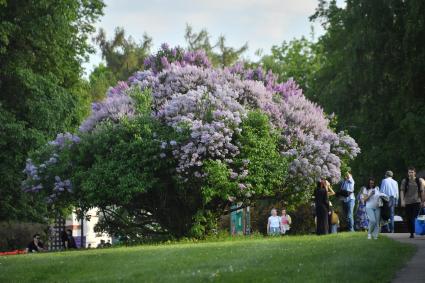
346	257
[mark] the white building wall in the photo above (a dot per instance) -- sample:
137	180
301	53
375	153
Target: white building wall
92	239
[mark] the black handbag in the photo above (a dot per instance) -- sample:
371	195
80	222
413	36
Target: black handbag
385	210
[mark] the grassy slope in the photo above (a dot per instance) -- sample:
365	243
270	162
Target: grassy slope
347	257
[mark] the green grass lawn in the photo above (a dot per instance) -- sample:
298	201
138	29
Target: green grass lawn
346	257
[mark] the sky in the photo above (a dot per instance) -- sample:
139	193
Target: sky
261	23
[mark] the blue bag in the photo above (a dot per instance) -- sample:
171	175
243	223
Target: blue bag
420	224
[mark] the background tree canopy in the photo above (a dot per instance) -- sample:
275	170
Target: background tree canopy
299	59
368	68
219	54
373	79
42	46
123	56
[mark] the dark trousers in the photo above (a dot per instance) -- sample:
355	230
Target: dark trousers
330	223
412	211
322	218
389	227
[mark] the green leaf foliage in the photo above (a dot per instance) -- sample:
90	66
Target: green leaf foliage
299	59
373	80
42	46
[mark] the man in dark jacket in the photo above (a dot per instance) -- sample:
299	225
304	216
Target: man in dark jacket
36	245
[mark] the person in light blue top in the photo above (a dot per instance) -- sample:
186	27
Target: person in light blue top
389	187
348	199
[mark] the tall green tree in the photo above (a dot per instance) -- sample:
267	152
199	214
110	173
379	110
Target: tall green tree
42	47
299	59
219	54
100	79
123	56
373	79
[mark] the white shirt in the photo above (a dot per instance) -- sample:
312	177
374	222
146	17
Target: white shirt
389	187
373	201
274	221
348	185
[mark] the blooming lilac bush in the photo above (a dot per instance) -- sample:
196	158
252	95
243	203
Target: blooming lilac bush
118	104
219	135
306	135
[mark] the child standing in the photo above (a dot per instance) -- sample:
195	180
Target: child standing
285	222
273	223
334	221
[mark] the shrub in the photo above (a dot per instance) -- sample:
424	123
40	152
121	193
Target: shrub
169	151
17	235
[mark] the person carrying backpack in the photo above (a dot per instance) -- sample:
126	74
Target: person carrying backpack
412	195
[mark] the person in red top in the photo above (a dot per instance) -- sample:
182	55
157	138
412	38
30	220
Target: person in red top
285	222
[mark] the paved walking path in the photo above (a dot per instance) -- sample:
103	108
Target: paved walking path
414	271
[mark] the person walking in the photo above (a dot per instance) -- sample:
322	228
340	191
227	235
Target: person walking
285	222
273	223
362	223
373	210
348	199
412	194
322	208
390	188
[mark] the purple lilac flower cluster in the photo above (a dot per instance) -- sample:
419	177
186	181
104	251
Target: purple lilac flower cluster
64	139
60	187
202	101
305	132
118	104
36	175
315	148
285	89
212	117
210	103
31	184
